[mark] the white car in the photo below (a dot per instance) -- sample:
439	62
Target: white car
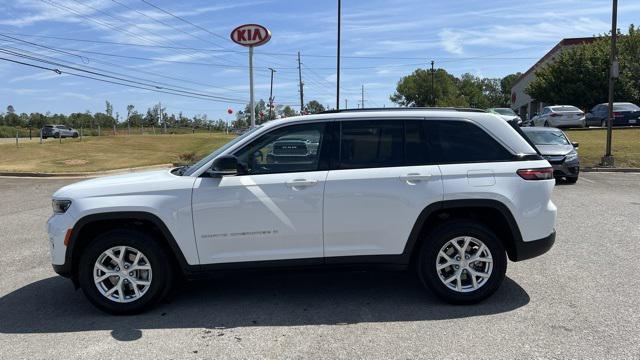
560	116
507	114
450	193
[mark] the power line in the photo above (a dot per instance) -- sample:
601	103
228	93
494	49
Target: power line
88	59
119	78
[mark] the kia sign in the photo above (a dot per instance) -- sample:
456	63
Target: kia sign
250	35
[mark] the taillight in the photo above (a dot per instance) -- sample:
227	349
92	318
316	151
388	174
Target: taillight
554	114
536	174
617	114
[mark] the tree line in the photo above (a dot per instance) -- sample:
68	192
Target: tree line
447	90
155	116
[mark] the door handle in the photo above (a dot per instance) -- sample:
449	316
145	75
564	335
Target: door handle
415	177
301	182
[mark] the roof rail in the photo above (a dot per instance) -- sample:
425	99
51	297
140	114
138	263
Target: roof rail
405	109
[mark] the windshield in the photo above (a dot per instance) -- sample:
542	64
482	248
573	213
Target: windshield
218	151
505	111
565	109
547	137
625	107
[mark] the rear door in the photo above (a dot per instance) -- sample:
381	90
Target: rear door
472	162
380	180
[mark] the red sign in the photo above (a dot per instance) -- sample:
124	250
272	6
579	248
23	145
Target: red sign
250	35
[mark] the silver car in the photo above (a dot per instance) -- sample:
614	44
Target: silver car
507	114
554	145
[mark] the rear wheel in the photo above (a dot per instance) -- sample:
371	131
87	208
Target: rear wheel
56	135
125	272
571	180
75	135
462	262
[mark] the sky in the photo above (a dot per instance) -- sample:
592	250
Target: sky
185	46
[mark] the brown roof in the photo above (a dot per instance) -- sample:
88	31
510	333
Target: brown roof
563	43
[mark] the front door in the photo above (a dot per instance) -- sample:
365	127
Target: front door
272	210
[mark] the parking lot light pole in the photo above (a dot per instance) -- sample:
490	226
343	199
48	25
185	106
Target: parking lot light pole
607	159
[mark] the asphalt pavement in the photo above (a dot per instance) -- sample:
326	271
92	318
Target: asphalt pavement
580	300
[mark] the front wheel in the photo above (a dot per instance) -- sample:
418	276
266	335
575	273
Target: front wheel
571	180
75	135
462	262
125	272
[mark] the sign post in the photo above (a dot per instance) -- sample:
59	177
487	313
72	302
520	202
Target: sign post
251	35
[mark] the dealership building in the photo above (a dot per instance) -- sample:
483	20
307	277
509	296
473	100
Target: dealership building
522	103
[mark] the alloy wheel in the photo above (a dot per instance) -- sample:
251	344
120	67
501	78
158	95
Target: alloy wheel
122	274
464	264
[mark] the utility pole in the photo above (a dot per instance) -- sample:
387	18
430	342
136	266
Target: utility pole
607	159
338	58
301	85
346	104
362	96
433	94
271	95
164	122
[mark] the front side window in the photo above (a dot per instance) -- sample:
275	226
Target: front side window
294	148
464	142
371	144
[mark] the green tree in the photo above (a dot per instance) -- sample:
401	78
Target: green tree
415	89
580	75
314	107
288	111
506	83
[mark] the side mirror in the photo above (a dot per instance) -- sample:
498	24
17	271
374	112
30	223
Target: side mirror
224	165
575	144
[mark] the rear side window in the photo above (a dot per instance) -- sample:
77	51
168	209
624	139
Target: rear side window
463	142
370	144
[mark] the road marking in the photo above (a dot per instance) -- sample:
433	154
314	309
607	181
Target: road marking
587	180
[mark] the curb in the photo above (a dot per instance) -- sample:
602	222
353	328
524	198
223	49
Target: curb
616	170
82	174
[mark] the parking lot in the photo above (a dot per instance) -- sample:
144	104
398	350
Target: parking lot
577	301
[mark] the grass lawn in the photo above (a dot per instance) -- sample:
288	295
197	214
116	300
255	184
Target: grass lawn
625	146
106	152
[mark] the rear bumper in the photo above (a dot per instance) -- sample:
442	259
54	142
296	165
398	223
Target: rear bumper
529	249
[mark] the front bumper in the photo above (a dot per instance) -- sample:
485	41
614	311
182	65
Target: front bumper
566	169
529	249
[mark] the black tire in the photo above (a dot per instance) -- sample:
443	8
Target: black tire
546	124
428	258
56	135
44	137
571	180
75	135
163	273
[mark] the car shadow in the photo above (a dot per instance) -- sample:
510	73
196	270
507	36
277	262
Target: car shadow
52	306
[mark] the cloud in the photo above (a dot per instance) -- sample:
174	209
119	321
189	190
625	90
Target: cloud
451	42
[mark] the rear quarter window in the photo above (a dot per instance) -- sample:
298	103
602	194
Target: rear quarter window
463	142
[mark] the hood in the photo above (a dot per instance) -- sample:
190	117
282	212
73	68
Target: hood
554	149
138	182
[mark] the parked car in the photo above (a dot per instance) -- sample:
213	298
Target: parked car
554	145
624	114
560	116
58	131
449	193
507	114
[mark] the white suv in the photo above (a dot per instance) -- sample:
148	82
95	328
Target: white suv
448	192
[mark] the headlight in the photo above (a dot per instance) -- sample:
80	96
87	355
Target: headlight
60	206
571	156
